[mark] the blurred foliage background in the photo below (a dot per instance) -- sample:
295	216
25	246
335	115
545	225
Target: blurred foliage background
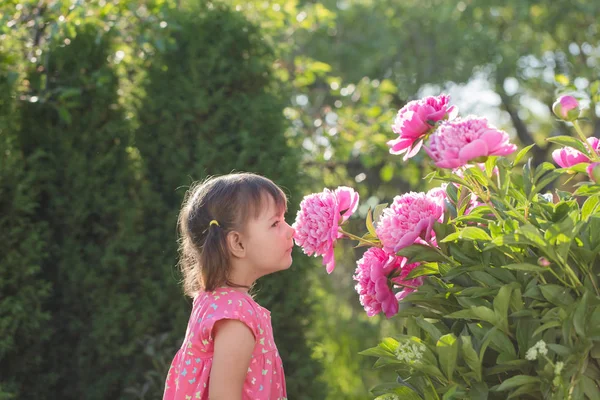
109	109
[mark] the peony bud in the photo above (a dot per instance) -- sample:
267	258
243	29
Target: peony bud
593	171
543	262
566	108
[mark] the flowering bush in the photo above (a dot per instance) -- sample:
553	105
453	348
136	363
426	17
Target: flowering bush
496	283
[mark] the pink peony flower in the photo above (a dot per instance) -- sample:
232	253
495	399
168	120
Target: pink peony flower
568	156
593	171
415	120
401	280
409	218
318	220
456	143
439	193
566	108
371	275
473	203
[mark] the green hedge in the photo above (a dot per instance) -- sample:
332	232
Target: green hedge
89	205
23	248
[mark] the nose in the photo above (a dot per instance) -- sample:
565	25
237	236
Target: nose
292	231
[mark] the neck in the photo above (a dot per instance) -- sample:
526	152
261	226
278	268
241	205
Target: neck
242	274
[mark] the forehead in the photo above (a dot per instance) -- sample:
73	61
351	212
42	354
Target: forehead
269	207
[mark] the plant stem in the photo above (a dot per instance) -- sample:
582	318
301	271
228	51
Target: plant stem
575	378
359	239
485	197
585	143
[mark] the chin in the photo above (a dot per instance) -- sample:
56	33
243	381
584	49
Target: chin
287	266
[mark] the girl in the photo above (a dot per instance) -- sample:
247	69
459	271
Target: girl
232	232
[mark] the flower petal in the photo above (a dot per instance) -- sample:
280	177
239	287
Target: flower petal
475	149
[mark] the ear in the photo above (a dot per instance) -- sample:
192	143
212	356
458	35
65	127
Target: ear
235	244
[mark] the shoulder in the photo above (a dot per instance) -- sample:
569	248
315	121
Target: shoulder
226	304
227	299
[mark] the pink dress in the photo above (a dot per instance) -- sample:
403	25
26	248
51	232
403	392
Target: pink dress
188	377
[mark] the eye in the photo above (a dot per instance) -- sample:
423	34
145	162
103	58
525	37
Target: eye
275	224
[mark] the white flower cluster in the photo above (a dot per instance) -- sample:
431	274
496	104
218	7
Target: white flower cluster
558	367
389	396
410	352
538	349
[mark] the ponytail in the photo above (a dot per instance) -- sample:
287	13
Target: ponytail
214	258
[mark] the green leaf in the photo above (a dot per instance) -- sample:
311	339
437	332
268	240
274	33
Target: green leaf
556	294
522	313
423	269
560	350
477	292
468	233
590	388
452	193
589	207
447	349
451	392
579	320
479	391
470	356
516	381
389	344
429	369
420	253
542	169
378	211
527	178
547	325
526	267
533	234
503	343
570	142
511	365
384	388
402	392
522	153
523	331
548	179
375	352
501	302
384	349
587	190
369	222
485	278
525	389
481	313
387	361
580	167
489	165
429	328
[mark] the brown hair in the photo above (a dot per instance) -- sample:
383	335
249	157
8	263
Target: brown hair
230	200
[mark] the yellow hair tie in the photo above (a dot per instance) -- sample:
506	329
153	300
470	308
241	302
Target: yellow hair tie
214	222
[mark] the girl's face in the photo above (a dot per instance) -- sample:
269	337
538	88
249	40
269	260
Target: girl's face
269	240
